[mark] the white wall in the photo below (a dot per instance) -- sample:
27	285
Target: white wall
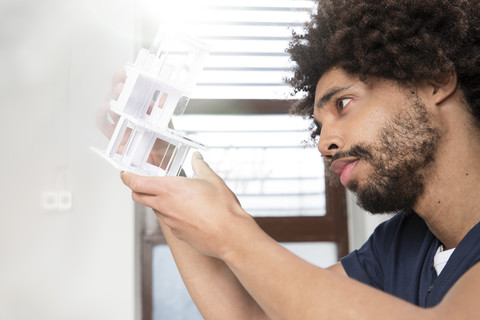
361	224
56	61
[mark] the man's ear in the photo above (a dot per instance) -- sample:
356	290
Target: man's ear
443	87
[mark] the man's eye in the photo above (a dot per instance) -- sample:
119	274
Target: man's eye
342	103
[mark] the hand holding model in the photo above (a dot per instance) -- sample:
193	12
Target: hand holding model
201	211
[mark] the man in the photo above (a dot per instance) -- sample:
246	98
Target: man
394	89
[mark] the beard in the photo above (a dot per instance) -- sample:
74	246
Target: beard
400	159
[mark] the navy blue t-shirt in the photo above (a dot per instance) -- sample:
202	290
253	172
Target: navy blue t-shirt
398	259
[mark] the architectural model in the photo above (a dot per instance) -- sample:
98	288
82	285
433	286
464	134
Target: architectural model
158	86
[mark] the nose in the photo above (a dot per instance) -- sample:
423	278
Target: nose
329	144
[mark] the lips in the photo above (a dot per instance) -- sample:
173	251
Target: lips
343	169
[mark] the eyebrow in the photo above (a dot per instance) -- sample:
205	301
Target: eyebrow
329	94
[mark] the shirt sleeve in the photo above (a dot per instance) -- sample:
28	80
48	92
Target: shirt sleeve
354	267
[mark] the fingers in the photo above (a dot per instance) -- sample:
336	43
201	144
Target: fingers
145	190
141	184
119	76
147	200
151	191
115	92
106	122
106	119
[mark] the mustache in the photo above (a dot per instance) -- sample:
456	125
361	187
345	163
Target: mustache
357	151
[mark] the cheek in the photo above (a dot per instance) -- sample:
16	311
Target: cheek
364	126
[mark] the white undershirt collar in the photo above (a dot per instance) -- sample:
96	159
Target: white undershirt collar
441	258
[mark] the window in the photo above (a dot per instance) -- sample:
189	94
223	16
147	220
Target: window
239	110
264	159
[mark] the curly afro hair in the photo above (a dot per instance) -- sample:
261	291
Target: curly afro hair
402	40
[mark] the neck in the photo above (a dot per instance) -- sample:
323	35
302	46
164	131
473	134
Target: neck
450	204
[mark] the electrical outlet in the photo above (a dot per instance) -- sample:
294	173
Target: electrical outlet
57	201
64	201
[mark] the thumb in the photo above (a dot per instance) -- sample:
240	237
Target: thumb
200	167
203	171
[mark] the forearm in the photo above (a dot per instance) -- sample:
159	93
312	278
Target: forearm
215	290
287	287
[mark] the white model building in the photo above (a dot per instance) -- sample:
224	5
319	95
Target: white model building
158	85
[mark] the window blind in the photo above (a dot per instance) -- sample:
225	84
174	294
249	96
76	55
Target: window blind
247	39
